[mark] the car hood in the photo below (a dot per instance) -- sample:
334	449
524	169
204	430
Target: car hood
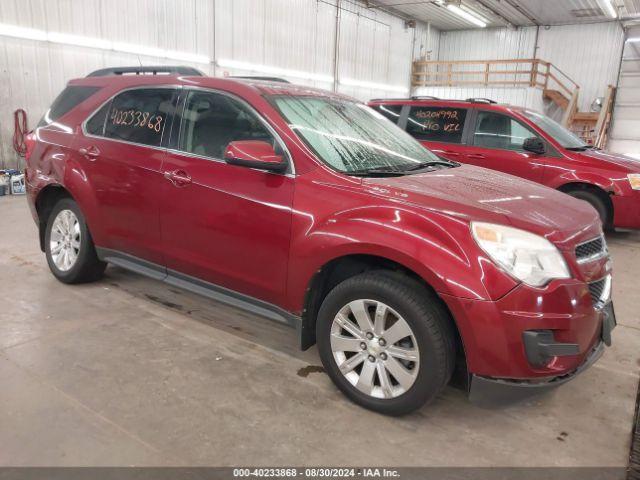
628	163
479	194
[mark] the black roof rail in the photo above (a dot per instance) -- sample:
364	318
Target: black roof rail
424	97
480	100
152	70
267	79
388	100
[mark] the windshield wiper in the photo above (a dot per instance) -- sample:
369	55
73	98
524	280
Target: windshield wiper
377	172
430	163
581	149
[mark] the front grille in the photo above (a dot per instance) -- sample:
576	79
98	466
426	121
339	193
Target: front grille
600	291
591	250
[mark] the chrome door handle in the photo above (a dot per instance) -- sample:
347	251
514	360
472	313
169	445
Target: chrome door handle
179	178
476	155
91	153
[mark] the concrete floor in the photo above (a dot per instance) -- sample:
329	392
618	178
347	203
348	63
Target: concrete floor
128	371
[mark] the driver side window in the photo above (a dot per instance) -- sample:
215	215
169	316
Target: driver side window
211	121
495	130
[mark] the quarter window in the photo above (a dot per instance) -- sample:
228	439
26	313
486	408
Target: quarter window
437	124
495	130
392	112
211	121
68	99
139	116
96	124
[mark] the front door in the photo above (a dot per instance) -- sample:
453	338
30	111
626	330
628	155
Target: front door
225	224
497	143
121	153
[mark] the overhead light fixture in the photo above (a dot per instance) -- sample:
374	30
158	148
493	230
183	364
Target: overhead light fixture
633	39
609	8
470	17
98	43
474	14
349	82
275	71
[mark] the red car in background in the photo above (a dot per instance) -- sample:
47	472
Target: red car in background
310	208
526	144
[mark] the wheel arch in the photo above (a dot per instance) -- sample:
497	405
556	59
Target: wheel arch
343	267
44	203
597	190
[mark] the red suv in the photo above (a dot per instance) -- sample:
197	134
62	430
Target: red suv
526	144
310	208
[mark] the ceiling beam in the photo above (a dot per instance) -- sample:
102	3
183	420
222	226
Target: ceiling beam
523	11
495	12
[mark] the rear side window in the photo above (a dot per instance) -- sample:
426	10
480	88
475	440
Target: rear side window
392	112
68	99
139	116
436	124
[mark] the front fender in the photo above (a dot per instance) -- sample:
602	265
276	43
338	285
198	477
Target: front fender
436	247
595	179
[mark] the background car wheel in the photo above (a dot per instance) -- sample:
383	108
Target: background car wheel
596	202
386	341
69	249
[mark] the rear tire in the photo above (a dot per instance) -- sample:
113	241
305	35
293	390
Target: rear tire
69	248
398	361
596	202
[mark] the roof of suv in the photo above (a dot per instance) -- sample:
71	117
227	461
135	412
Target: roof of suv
133	77
445	102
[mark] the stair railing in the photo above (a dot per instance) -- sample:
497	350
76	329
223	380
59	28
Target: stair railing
532	72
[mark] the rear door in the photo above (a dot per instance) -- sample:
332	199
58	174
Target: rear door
440	129
496	142
122	154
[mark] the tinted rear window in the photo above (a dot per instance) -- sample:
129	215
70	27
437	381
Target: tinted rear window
140	115
436	124
68	99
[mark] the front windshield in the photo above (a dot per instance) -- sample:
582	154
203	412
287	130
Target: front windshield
552	128
351	137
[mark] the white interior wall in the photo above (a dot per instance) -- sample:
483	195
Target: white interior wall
625	130
589	54
297	35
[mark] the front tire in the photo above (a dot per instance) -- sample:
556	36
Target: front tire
596	202
69	248
386	342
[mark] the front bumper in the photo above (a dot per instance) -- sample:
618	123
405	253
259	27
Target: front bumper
626	210
495	391
493	333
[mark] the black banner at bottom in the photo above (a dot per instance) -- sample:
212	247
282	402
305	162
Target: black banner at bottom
232	473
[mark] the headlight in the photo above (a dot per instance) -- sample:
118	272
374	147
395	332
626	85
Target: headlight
634	180
528	257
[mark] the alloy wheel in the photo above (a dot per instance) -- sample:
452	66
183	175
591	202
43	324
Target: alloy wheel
64	242
375	348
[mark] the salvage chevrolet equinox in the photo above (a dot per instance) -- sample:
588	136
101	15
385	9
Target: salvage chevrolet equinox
310	208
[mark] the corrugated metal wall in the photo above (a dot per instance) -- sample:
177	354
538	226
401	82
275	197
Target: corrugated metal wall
298	35
625	131
589	54
487	44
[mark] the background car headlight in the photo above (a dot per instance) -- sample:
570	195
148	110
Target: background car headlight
528	257
634	180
